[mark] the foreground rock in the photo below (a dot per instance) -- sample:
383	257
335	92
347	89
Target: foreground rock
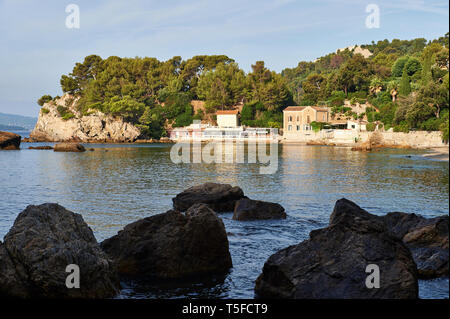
43	241
11	284
69	147
9	141
219	197
426	238
247	209
92	126
172	245
332	262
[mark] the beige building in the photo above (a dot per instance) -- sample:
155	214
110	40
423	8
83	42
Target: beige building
228	118
298	119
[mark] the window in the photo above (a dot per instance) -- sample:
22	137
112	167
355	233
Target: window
290	128
290	118
308	120
298	127
298	118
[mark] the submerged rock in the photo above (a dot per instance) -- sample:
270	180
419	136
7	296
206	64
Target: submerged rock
220	197
332	262
9	141
427	238
69	147
43	241
172	245
247	209
40	148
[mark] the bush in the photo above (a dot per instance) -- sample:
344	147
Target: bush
432	124
62	110
87	113
402	127
371	127
65	113
68	116
184	119
317	126
45	110
44	99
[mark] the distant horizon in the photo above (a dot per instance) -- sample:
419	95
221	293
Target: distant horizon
27	116
40	47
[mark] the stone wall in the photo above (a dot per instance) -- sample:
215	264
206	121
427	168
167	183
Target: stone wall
416	139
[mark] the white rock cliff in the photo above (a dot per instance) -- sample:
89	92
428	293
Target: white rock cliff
95	127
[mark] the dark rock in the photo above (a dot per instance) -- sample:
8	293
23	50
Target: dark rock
427	238
332	262
69	147
44	240
172	245
220	197
40	148
9	141
247	209
10	283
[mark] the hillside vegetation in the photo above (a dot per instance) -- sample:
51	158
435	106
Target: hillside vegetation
406	81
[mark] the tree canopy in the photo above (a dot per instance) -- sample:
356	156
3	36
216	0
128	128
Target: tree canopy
406	81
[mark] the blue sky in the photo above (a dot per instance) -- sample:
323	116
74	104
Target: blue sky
37	48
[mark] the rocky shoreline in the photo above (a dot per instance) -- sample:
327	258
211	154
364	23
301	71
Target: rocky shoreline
190	243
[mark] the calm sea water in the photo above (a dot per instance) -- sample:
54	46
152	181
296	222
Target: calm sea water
118	184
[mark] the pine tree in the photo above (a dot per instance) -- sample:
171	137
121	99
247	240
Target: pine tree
405	86
426	70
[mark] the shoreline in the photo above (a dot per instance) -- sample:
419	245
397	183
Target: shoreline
436	152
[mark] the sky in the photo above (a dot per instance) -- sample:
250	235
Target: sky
36	47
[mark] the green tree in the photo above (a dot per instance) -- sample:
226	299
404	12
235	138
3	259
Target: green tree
268	87
314	87
247	114
223	87
185	118
127	107
399	65
354	74
412	66
405	85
